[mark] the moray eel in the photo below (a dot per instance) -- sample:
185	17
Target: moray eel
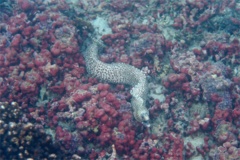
120	73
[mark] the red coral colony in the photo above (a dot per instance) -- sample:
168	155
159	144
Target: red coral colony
51	108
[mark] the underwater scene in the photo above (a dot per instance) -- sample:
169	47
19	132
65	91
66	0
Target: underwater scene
119	79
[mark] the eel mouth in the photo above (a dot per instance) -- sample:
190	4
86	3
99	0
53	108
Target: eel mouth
146	124
145	120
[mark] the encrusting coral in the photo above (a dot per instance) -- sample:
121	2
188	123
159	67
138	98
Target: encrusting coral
120	73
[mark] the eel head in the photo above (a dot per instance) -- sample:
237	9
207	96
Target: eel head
140	112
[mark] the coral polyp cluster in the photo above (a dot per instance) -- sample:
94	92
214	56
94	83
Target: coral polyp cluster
18	137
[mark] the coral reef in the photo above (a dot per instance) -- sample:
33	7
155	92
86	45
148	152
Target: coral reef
188	51
17	138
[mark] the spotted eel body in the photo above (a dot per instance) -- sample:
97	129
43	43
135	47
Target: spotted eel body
120	73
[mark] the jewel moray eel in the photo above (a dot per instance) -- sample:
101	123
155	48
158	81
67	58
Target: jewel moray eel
120	73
